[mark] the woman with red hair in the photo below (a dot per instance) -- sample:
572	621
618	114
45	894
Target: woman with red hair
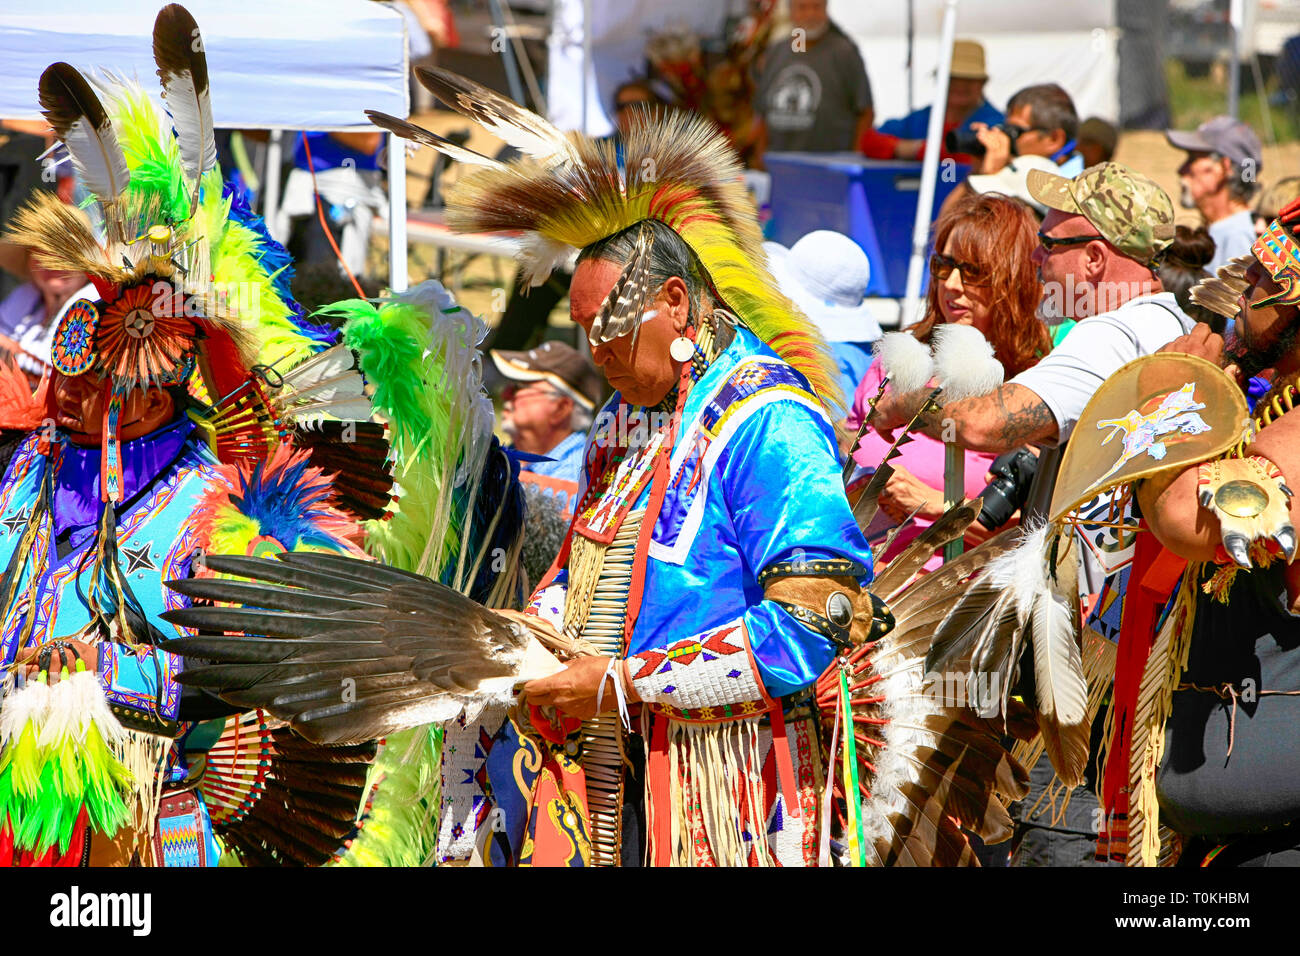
980	276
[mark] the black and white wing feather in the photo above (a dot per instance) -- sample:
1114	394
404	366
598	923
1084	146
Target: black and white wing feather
81	122
183	70
521	128
418	134
345	650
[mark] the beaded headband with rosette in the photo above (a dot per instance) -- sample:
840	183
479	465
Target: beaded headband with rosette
72	350
569	192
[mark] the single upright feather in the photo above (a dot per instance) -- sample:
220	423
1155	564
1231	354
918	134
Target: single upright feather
183	69
1061	689
80	120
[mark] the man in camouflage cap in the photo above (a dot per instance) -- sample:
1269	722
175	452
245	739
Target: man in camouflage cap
1098	247
1128	210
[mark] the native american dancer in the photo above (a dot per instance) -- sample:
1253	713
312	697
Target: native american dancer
180	418
712	576
1199	763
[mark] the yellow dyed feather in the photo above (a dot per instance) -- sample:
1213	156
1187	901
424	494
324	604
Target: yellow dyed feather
680	170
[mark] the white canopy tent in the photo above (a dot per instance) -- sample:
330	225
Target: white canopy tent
283	65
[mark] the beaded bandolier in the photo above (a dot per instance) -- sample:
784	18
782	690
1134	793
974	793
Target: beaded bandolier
603	750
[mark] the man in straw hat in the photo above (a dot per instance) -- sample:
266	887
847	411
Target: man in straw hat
904	138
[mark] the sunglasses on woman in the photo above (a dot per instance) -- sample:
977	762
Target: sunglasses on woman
942	266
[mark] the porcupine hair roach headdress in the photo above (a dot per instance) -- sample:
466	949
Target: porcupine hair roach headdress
678	169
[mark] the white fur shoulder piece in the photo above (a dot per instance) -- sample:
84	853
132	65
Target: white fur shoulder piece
964	363
906	361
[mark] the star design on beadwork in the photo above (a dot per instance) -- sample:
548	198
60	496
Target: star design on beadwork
15	522
138	559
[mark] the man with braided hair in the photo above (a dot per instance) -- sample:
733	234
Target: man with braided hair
713	567
1229	780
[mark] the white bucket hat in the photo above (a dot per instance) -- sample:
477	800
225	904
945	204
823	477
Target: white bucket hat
1013	180
826	274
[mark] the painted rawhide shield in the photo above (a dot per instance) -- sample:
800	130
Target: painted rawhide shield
1158	412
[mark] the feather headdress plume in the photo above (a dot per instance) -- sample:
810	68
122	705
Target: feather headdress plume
678	169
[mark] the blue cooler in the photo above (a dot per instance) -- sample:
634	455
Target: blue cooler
871	201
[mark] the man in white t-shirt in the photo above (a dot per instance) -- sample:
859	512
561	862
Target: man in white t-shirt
1099	244
1104	232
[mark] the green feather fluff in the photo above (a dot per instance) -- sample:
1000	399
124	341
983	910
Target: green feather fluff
419	351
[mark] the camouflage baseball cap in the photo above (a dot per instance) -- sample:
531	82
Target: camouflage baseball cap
1129	211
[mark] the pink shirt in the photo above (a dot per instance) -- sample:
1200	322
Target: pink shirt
923	457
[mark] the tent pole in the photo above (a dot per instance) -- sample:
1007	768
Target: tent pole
508	54
1236	14
271	181
397	278
587	79
911	63
929	169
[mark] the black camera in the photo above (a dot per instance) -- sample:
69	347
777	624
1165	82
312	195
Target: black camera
966	140
1013	473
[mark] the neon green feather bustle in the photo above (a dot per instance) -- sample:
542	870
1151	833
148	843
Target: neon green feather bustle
419	350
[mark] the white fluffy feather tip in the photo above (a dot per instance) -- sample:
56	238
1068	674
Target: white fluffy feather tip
964	363
905	360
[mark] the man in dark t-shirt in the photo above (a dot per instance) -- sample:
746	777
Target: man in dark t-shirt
813	93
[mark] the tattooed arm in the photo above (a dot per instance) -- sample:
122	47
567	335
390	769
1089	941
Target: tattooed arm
997	422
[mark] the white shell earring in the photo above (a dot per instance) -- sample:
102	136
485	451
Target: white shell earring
681	349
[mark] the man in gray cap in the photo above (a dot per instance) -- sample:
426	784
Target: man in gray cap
551	394
1219	176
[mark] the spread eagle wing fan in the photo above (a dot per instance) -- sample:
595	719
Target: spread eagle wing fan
928	768
345	650
1026	602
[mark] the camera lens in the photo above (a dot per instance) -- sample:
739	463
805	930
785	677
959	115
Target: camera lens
963	141
999	502
1013	473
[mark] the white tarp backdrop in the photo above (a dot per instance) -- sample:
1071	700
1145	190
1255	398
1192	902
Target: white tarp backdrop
619	30
1025	42
290	64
